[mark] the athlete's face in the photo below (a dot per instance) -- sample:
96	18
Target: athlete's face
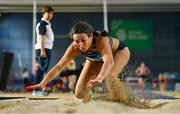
82	41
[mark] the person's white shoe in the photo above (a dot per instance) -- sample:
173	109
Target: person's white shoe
40	93
37	93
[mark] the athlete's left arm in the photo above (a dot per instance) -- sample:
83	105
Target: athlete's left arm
107	57
108	61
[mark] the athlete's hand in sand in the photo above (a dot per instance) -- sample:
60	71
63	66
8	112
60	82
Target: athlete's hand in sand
95	82
37	86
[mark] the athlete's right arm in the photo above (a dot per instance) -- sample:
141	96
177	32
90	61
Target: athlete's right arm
70	53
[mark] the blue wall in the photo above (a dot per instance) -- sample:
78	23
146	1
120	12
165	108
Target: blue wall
16	36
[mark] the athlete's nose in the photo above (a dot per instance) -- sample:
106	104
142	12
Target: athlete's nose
81	44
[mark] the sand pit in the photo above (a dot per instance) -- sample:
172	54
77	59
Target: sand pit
22	103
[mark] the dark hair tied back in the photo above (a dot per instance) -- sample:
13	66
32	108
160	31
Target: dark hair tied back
100	33
81	27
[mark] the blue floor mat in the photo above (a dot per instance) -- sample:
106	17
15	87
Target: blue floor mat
151	95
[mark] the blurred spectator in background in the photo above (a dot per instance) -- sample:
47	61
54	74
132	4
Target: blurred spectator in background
69	77
162	82
155	84
65	82
142	72
72	77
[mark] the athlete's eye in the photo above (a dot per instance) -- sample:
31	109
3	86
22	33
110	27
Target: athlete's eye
83	41
76	41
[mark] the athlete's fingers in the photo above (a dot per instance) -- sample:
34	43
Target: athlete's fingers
93	83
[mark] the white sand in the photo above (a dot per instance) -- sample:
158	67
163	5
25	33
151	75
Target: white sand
68	104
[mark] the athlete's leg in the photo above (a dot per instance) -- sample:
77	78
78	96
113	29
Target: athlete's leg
90	71
121	58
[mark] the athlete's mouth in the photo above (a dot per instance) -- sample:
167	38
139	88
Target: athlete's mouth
83	49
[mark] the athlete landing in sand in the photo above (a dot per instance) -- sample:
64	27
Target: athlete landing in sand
104	56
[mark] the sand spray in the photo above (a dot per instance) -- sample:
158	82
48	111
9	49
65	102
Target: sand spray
117	91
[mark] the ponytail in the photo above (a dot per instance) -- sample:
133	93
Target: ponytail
100	33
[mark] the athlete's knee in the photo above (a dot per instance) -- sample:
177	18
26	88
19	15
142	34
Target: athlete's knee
113	74
79	94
